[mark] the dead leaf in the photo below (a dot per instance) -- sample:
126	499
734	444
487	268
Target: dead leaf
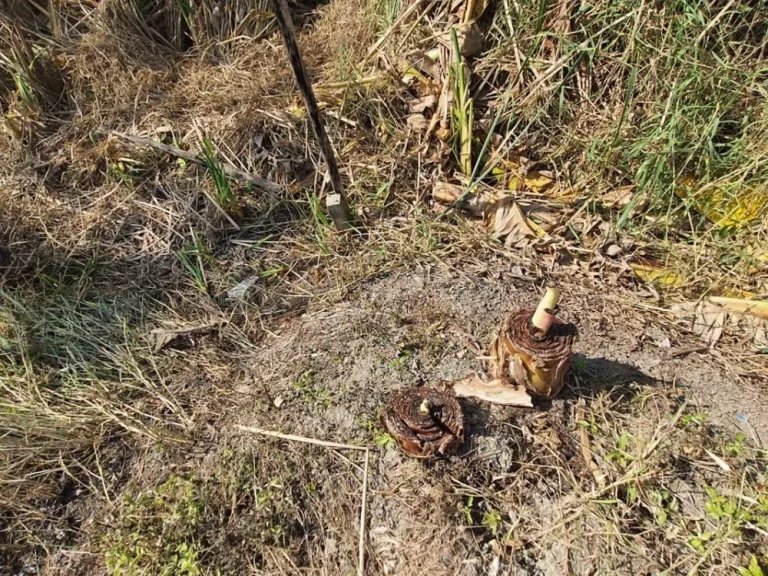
542	219
703	319
417	123
509	221
536	181
494	391
470	39
417	65
239	290
443	134
618	197
708	324
447	193
161	338
516	173
719	461
419	105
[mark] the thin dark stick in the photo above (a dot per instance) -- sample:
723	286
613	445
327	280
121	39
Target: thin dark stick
337	202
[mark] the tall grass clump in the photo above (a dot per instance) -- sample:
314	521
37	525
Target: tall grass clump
74	376
179	25
667	97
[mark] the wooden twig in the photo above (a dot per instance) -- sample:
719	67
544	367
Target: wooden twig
337	204
303	439
361	540
230	170
325	443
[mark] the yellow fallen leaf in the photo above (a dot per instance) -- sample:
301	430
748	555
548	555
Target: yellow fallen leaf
658	275
506	165
537	182
509	171
725	208
297	111
735	293
757	308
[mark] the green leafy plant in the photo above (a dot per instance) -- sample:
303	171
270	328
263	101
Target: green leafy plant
753	569
735	448
492	520
663	504
620	454
468	509
699	542
380	437
726	508
321	223
225	197
311	392
462	117
156	532
400	361
695	419
194	257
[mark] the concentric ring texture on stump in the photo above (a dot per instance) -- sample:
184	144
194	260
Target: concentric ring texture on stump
425	422
544	360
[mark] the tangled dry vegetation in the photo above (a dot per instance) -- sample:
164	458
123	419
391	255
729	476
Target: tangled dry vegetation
619	145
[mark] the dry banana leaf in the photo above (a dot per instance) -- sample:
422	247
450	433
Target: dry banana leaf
509	222
495	391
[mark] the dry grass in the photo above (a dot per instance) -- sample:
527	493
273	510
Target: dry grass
103	241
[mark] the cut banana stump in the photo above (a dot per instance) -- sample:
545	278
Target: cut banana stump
425	422
522	354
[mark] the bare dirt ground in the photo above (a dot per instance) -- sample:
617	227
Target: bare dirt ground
531	491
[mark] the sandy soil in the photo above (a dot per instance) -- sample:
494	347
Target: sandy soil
427	326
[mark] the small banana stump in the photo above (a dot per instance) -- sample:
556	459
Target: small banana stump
425	422
530	356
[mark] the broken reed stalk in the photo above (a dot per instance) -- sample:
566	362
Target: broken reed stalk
337	204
